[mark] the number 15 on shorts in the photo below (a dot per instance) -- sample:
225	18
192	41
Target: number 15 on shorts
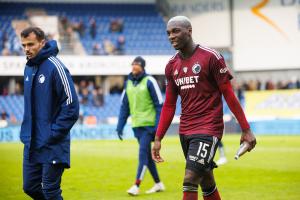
202	150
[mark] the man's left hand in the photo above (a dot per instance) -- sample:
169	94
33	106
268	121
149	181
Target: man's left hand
249	137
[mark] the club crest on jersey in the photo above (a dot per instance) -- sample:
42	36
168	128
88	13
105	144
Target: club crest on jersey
196	68
176	72
185	69
42	78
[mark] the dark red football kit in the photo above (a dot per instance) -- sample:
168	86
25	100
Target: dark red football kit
200	81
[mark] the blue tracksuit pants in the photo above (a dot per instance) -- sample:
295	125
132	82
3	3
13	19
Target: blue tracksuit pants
42	181
145	138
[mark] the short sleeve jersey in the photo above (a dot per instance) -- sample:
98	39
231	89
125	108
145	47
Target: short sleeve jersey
196	80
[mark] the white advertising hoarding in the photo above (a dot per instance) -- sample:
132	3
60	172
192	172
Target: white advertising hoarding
266	34
89	65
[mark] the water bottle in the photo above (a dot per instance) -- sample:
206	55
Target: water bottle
243	149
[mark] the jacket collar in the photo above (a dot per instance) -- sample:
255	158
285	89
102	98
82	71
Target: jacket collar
50	49
138	77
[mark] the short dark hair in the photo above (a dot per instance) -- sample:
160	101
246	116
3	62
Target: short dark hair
40	35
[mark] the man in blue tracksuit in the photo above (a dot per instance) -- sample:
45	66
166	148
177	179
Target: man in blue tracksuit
142	100
50	110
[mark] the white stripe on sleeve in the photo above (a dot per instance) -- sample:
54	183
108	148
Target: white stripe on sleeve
157	90
63	78
217	54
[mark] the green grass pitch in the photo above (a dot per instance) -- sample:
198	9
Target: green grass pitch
106	169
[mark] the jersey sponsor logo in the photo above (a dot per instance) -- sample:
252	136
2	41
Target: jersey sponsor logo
185	69
224	70
42	78
187	82
176	72
196	68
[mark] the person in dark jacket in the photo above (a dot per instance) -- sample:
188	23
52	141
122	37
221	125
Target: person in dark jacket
142	100
50	110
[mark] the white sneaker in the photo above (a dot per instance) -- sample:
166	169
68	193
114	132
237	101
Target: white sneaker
158	187
134	190
221	161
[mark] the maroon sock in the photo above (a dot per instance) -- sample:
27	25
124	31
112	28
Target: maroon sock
213	196
138	182
190	195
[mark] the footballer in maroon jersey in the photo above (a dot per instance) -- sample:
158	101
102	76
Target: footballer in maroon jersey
199	75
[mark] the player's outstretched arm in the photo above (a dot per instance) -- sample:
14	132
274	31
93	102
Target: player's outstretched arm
156	150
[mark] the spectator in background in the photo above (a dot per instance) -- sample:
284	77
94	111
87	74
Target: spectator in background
5	52
16	47
281	85
93	28
5	91
116	25
3	119
98	97
259	85
82	85
13	120
292	84
120	46
109	47
270	85
97	49
252	85
64	22
116	89
90	86
85	96
79	28
18	89
4	39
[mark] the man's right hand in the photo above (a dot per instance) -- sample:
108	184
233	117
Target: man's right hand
120	135
155	151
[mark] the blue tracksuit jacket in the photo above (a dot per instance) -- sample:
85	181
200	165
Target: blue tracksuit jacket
155	95
50	108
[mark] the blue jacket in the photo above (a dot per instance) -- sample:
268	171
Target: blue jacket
50	108
155	94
